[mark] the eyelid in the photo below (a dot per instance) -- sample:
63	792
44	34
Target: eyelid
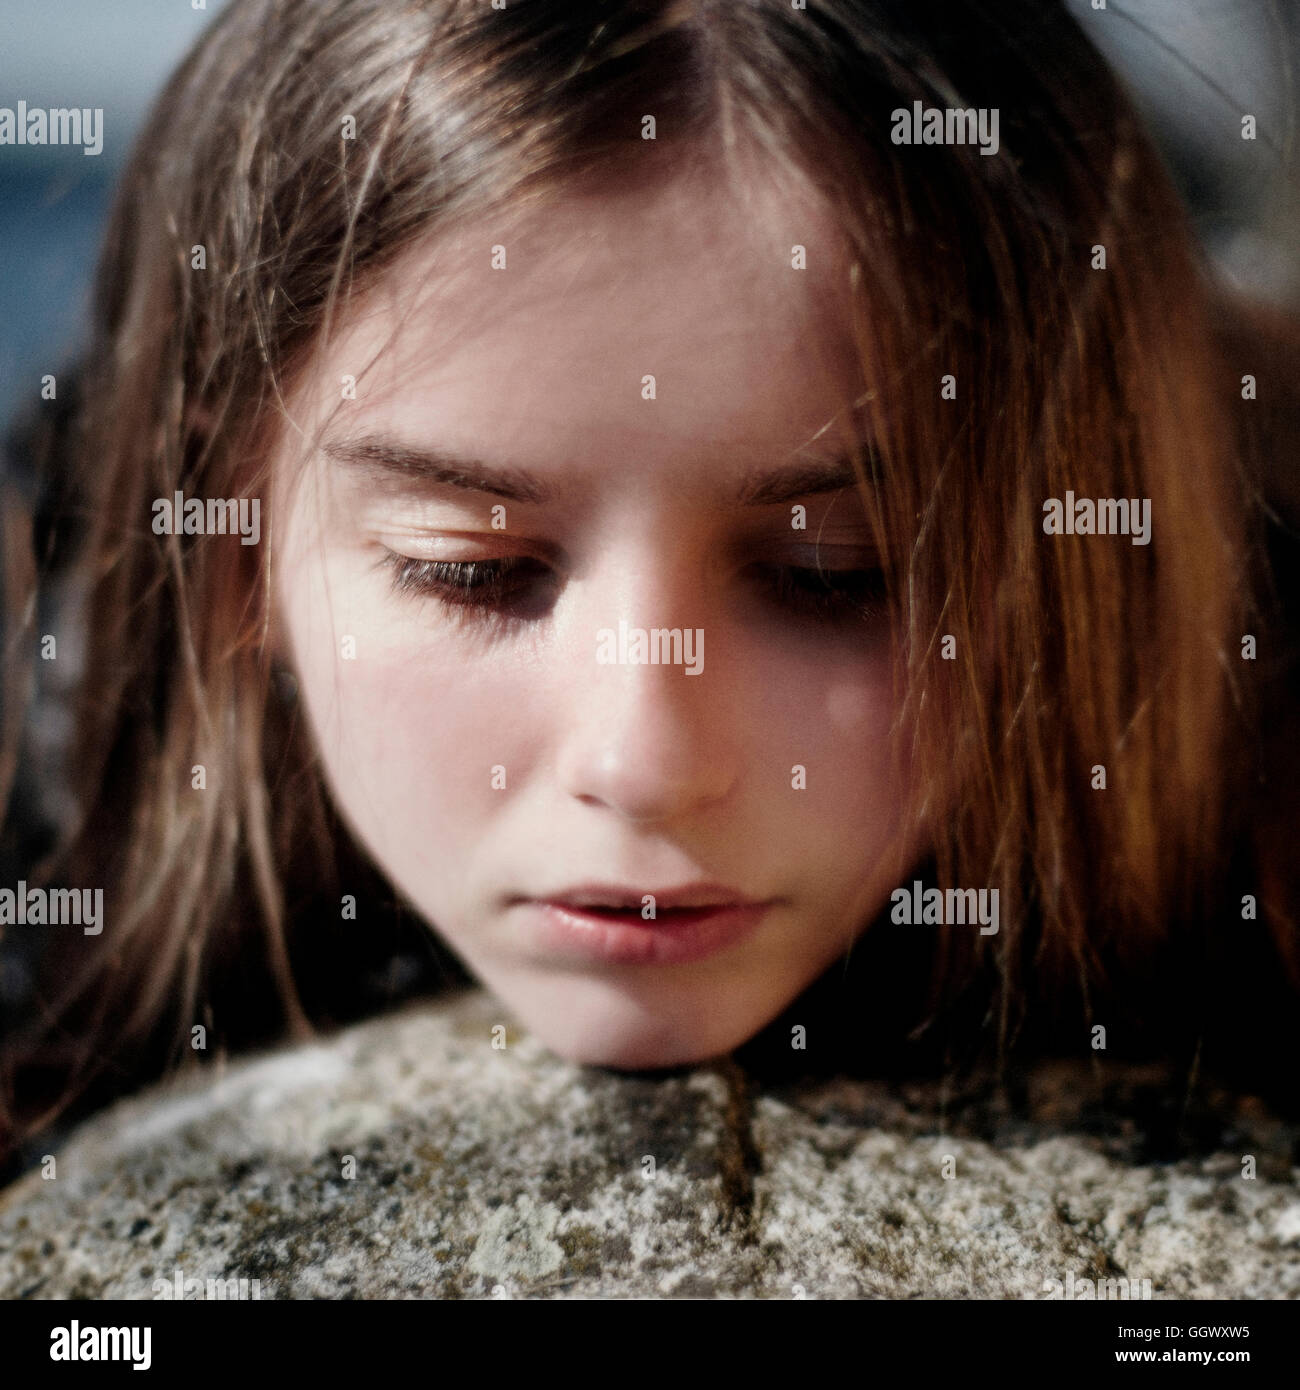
832	550
848	528
810	554
421	544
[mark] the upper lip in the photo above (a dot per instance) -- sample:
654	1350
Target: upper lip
689	895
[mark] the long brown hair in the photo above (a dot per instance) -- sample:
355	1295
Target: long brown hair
1005	363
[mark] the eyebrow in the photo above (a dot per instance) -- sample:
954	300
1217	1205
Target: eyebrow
808	479
391	461
387	460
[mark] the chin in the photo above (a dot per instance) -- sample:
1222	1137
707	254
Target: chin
625	1036
635	1053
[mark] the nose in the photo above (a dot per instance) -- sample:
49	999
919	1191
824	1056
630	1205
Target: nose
648	741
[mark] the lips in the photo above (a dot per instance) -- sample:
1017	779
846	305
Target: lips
619	898
606	924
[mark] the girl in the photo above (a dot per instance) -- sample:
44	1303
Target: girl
730	515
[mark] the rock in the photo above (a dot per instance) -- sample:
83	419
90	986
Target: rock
407	1157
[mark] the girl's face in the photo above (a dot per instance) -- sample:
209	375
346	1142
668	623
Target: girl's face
647	846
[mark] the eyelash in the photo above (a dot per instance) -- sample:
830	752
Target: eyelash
461	583
826	594
493	586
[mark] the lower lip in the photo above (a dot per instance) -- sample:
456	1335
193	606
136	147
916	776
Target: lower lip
673	938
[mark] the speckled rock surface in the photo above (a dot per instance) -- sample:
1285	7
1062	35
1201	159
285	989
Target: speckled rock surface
408	1157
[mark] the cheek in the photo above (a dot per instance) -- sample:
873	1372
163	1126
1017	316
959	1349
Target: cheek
834	717
860	812
410	721
854	710
843	838
859	717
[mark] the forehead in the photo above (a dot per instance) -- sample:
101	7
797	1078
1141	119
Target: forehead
535	335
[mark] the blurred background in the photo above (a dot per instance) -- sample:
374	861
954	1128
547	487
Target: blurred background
1196	67
54	199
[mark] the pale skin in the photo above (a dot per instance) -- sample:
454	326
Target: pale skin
632	774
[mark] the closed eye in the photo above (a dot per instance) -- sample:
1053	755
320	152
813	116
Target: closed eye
828	594
521	586
462	581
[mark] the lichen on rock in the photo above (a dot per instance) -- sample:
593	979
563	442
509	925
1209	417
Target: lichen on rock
406	1157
